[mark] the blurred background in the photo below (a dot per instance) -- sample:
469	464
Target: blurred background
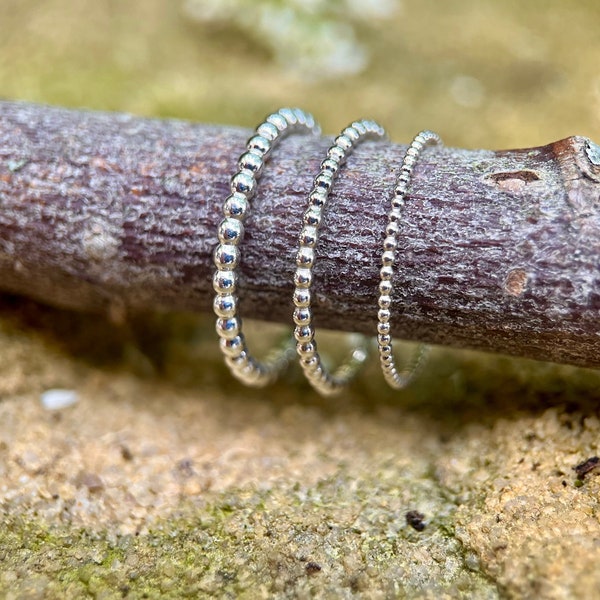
482	73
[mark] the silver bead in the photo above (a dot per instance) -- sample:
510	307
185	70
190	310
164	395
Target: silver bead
387	258
233	347
301	298
289	115
409	163
383	328
310	121
385	287
303	334
309	236
253	375
374	128
338	154
228	328
384	301
386	273
400	189
237	362
330	166
243	182
279	121
231	231
395	216
303	278
352	134
268	131
344	142
302	316
259	145
310	365
384	339
323	182
392	228
360	127
301	116
317	198
236	206
225	305
226	257
306	350
306	119
249	161
398	202
421	137
312	217
429	137
305	257
224	282
387	360
384	314
390	243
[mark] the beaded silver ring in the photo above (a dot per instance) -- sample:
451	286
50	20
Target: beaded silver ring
396	378
227	255
306	346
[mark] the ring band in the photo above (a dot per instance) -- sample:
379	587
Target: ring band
227	255
396	378
306	346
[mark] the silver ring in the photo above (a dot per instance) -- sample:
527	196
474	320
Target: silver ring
395	377
227	255
306	346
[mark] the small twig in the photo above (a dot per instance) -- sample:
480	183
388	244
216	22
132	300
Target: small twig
500	250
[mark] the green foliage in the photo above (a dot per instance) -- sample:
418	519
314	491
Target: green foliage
315	39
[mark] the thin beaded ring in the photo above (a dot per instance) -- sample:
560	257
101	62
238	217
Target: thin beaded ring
227	255
306	346
398	379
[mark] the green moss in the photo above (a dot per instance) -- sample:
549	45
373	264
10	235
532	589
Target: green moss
244	541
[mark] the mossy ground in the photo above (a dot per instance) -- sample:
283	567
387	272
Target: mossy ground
168	479
161	484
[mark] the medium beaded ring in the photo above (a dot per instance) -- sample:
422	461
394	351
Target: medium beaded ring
396	378
306	346
227	255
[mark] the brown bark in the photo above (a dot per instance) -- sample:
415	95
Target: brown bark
499	252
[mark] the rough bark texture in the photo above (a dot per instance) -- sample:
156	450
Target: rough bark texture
111	212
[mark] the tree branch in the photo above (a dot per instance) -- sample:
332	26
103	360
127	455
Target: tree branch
500	250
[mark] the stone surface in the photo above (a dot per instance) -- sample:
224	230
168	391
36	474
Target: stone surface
183	483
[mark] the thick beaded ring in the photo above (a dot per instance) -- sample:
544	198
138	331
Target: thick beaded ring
306	346
227	254
395	377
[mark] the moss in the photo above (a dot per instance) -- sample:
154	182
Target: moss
259	541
